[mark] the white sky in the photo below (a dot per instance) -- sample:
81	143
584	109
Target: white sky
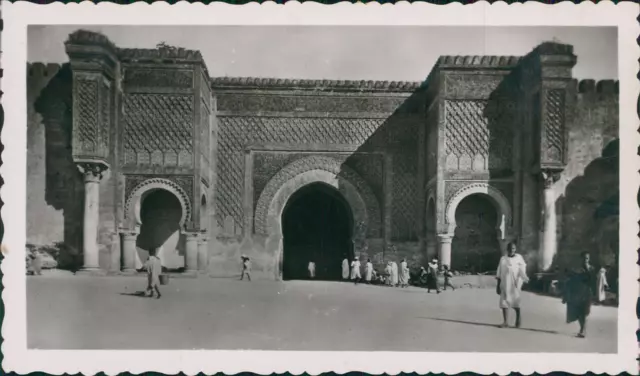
392	53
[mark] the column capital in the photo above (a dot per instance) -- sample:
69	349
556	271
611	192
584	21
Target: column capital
128	234
93	171
445	238
549	177
191	235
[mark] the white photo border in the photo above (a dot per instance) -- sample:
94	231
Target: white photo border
17	16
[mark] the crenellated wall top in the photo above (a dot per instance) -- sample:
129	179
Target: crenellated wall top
255	83
477	62
599	87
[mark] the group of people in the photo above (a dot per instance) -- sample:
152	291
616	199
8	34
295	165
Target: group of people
580	287
393	275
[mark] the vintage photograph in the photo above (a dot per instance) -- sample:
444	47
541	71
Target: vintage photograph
440	189
310	189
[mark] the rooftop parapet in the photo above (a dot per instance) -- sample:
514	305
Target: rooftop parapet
230	83
477	62
597	87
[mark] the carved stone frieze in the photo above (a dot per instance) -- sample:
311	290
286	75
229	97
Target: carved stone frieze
158	130
310	103
169	78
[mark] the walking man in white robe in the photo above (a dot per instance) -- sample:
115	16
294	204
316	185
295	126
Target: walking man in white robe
355	271
511	274
312	269
394	274
368	271
404	273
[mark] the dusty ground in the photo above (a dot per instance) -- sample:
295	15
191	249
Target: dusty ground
73	312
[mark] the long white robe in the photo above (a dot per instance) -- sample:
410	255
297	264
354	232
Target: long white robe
512	272
404	273
394	273
345	269
368	274
355	269
602	284
312	269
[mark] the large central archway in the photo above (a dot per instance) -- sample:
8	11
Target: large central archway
317	226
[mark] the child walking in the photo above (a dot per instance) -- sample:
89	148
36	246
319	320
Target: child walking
448	275
154	268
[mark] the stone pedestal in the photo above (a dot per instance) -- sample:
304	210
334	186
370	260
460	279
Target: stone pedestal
444	249
203	253
93	173
191	257
548	239
129	251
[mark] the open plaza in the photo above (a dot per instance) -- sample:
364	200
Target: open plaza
74	312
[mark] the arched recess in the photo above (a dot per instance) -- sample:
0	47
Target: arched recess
501	203
317	169
133	202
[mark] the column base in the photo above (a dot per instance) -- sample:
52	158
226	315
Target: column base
97	272
128	272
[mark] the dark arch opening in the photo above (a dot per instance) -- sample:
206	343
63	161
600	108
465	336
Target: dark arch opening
317	224
160	213
475	247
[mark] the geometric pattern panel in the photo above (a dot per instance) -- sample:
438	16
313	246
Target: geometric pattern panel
158	129
237	131
87	133
554	126
403	203
478	134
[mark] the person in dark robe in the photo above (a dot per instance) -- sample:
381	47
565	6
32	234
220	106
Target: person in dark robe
578	294
432	276
246	268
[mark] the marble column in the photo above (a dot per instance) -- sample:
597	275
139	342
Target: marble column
548	244
444	249
191	257
93	173
129	251
203	252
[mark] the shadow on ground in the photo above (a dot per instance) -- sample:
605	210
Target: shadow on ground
489	325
